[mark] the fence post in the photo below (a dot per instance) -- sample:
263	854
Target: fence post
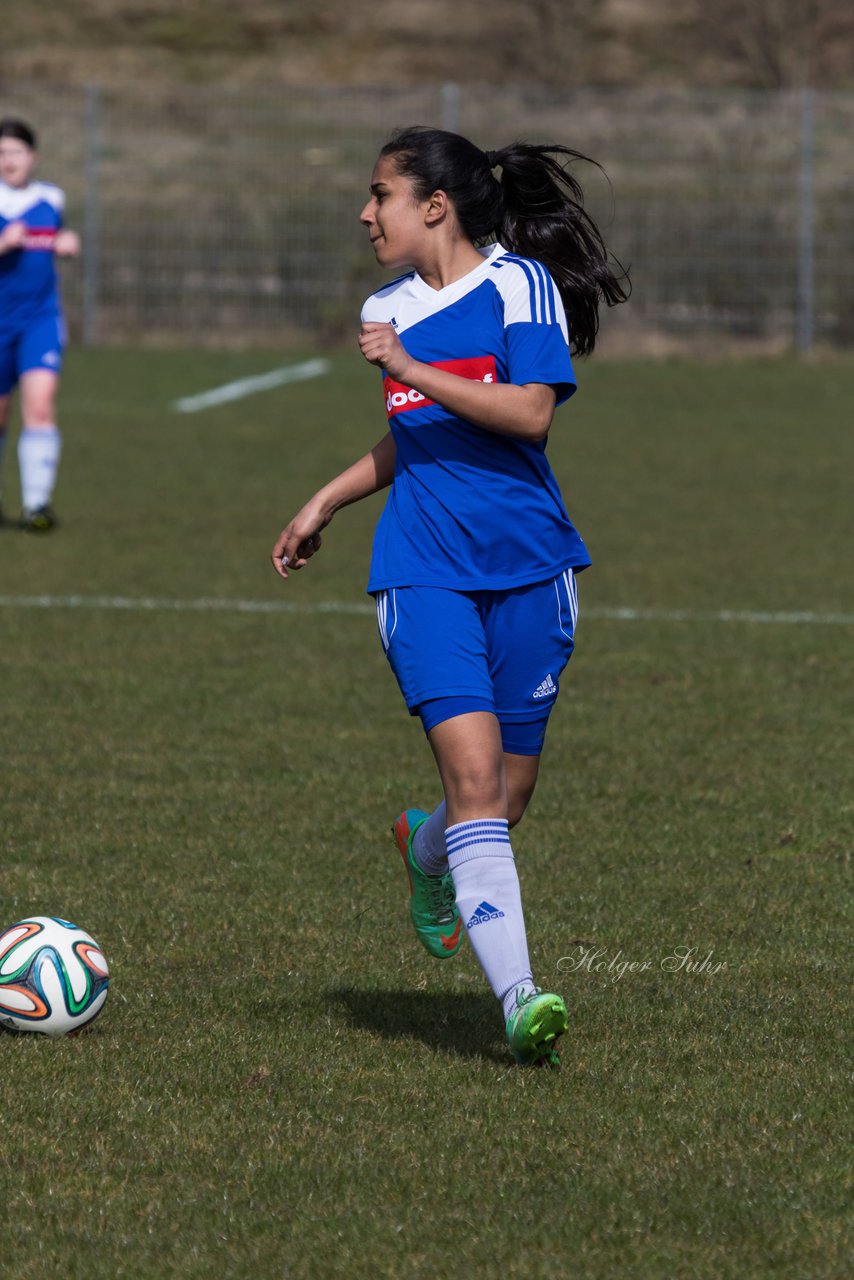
92	215
451	107
805	297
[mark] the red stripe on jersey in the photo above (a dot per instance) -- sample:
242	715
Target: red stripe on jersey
400	399
40	237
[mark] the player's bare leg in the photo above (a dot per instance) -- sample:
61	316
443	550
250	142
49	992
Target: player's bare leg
38	398
470	760
521	773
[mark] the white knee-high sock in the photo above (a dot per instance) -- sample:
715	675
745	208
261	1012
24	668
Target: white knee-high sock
490	902
39	449
428	844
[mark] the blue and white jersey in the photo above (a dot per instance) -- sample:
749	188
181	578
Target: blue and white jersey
28	278
469	509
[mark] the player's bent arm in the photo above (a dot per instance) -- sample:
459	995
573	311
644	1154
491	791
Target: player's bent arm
300	539
373	472
523	411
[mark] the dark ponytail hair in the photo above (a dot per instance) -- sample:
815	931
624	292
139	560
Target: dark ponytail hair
17	129
535	209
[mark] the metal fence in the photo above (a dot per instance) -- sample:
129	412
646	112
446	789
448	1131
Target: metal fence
229	216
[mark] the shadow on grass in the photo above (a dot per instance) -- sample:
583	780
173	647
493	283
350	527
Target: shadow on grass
456	1022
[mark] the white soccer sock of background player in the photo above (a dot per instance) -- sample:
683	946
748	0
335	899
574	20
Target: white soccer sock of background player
490	902
39	450
428	844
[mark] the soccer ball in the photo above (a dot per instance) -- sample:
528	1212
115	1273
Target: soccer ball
53	977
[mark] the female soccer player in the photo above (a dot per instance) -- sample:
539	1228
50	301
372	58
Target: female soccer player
475	557
32	330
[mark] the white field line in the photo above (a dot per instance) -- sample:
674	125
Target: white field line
248	386
218	604
792	618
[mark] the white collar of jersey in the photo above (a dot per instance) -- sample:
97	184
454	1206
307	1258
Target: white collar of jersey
16	201
458	288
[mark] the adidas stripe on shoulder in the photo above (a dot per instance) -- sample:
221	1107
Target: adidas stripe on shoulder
528	292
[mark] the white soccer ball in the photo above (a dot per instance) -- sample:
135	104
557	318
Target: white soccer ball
53	977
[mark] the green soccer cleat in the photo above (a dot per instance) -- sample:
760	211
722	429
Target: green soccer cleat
433	906
534	1028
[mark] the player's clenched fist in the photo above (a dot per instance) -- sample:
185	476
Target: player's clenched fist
380	345
67	243
13	236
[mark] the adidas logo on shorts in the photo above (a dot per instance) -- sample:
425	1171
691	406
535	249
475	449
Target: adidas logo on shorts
483	913
547	689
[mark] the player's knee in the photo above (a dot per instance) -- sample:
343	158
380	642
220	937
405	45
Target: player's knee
38	399
38	415
478	784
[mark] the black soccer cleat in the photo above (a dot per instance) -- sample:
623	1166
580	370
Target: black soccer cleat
39	520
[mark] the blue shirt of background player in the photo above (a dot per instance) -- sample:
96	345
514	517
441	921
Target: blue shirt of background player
29	286
470	509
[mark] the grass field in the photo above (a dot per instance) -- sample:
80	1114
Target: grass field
283	1083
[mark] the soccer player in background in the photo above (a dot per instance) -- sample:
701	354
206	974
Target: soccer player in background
475	558
32	328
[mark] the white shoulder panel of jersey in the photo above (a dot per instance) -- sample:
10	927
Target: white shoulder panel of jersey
529	293
408	301
16	201
382	307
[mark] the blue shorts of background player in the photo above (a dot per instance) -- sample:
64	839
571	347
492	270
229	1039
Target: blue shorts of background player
455	652
39	345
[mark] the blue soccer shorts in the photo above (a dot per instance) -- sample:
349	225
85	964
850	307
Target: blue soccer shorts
38	345
499	651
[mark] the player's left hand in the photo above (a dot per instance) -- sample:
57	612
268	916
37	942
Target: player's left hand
381	346
66	244
300	539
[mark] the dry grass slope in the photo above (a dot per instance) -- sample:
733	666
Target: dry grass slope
557	42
